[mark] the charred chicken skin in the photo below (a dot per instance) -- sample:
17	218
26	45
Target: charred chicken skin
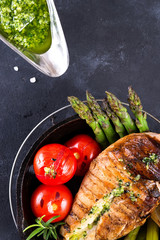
119	192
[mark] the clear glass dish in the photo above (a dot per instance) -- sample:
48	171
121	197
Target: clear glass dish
54	119
55	61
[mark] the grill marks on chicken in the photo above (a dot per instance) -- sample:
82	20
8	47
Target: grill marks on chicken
124	214
136	149
117	166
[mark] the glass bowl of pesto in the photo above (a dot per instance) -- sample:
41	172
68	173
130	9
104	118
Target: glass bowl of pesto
32	29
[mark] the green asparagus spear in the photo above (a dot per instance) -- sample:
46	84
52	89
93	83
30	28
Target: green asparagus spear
137	109
133	234
116	121
121	112
85	113
152	230
142	233
102	118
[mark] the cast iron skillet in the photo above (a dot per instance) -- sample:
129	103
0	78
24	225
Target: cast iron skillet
27	182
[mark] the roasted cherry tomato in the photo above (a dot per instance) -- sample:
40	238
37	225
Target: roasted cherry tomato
54	164
85	149
51	201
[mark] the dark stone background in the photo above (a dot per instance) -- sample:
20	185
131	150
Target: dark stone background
112	44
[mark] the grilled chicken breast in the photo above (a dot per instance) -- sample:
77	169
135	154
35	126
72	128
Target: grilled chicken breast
119	192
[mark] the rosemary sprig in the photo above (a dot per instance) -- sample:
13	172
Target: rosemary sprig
46	229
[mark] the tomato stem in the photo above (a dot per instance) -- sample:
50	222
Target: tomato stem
50	172
76	154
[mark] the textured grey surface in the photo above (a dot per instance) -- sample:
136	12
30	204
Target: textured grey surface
112	44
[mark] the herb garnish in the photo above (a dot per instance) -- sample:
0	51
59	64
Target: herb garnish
120	160
137	178
127	184
153	158
132	196
46	229
93	210
101	207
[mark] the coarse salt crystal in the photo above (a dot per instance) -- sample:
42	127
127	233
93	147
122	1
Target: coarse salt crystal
16	68
33	80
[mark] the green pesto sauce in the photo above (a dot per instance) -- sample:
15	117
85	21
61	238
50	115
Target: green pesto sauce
26	24
101	207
